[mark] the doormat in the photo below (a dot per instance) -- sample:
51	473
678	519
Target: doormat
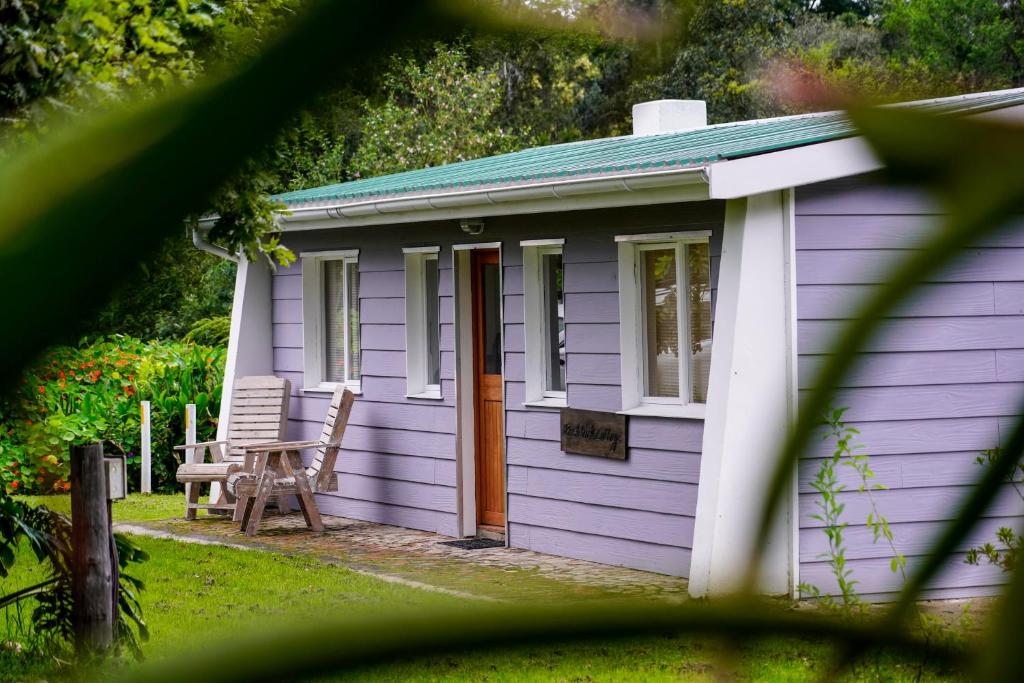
474	543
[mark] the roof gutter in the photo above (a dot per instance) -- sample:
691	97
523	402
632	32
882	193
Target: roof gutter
551	190
199	240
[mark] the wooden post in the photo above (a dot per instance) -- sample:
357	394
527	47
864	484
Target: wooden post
190	438
92	575
146	448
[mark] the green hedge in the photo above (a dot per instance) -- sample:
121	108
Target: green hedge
92	393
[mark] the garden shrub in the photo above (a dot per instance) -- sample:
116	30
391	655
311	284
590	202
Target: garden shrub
91	393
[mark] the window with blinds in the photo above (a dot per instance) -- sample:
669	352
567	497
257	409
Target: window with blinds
544	317
665	315
341	320
422	323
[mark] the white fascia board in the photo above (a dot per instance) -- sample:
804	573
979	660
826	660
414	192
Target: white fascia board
791	168
683	185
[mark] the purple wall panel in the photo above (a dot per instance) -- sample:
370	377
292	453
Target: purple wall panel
596	307
870	266
928	402
592	338
1010	365
287	311
287	335
922	334
911	368
642	463
602	397
1009	298
876	577
652	557
672	498
383	337
827	302
287	286
383	363
631	524
397	515
904	471
942	379
382	311
912	538
398	465
601	276
596	368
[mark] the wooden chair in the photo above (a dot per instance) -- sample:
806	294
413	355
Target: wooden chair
274	470
259	414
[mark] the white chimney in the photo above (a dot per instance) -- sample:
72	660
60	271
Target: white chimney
669	116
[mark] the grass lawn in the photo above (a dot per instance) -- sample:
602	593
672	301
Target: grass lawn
198	594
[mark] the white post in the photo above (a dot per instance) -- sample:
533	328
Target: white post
146	484
190	438
750	401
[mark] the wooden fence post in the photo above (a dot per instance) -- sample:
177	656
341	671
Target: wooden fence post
91	571
146	448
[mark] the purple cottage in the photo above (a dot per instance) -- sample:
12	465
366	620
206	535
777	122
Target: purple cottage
593	349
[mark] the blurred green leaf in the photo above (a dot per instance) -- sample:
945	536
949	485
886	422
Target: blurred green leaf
336	645
107	192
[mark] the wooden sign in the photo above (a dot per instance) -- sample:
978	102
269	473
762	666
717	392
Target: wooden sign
589	432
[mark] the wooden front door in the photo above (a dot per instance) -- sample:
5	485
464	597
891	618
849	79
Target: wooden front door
487	389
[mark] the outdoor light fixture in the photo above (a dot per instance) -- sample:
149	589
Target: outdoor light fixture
472	227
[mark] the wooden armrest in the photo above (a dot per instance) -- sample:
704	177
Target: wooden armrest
281	446
203	444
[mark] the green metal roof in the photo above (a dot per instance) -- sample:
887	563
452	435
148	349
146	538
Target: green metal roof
589	158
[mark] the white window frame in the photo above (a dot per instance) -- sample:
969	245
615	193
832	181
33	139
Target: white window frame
416	323
313	325
537	393
632	328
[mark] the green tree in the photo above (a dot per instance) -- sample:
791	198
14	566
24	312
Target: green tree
436	113
979	41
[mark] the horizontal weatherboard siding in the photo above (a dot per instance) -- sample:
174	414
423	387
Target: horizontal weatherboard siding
940	383
398	463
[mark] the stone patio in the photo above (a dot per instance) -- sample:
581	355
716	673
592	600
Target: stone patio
419	558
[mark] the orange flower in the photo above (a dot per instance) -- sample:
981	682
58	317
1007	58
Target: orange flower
42	389
61	374
72	373
131	378
67	486
14	484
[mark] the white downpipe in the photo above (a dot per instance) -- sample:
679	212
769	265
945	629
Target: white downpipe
201	243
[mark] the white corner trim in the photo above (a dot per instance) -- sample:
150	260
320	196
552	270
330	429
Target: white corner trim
792	357
791	168
337	253
477	245
689	411
250	347
684	236
749	404
556	242
421	250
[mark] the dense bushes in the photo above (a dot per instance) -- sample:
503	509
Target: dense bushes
92	393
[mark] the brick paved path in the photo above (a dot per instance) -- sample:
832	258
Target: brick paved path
419	556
